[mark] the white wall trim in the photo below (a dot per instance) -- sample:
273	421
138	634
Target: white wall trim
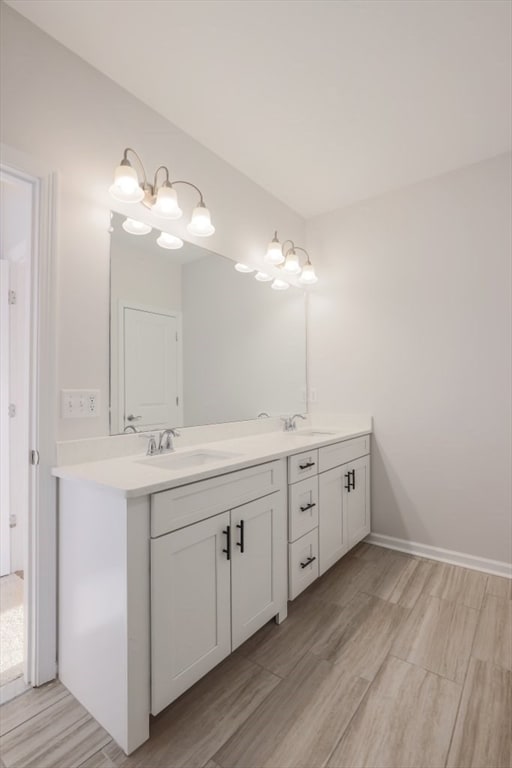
495	567
41	541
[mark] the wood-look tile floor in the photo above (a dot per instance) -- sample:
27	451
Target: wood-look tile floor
387	661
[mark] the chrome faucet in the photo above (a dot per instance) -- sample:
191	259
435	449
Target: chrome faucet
289	422
165	444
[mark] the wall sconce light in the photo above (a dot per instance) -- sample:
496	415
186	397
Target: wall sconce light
288	260
160	197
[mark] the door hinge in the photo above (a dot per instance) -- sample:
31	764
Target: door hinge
12	297
34	458
13	522
177	400
176	337
12	410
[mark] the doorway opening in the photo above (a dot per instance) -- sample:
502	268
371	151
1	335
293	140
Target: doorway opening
16	249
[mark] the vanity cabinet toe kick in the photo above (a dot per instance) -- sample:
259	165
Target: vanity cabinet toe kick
154	591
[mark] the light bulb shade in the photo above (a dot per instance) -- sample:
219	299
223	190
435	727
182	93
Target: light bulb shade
262	277
200	223
171	242
308	275
126	187
291	263
243	268
280	285
166	203
134	227
274	254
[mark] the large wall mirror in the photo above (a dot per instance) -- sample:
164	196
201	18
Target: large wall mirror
194	342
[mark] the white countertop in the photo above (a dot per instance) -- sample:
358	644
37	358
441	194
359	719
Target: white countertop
132	476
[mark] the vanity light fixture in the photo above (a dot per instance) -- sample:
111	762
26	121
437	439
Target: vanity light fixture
262	277
134	227
280	285
288	260
160	196
244	268
170	242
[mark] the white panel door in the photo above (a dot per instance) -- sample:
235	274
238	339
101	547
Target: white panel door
258	565
149	375
356	501
190	607
331	523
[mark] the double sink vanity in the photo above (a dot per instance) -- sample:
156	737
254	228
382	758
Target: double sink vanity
169	562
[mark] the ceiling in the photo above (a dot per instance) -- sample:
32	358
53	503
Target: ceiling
322	102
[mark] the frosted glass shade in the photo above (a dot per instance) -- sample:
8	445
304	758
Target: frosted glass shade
243	268
200	223
126	187
291	263
134	227
308	276
262	277
171	242
274	254
166	204
280	285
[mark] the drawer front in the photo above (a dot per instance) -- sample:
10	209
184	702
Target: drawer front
302	465
302	563
302	508
190	503
339	453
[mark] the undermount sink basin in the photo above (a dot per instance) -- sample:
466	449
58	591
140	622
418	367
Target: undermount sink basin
186	460
314	432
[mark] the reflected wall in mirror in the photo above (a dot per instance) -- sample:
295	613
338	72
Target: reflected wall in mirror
194	342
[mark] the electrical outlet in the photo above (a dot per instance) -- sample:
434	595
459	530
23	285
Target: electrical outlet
79	403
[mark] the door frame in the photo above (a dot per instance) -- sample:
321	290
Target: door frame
126	304
41	534
5	332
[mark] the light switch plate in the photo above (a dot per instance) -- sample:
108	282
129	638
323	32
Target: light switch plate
79	403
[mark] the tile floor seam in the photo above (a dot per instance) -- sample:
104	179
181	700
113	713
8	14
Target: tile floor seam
464	683
36	714
366	693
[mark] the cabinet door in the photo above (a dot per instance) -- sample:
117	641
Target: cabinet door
258	565
332	530
356	502
190	607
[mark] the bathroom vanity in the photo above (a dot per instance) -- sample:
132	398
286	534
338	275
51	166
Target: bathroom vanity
167	564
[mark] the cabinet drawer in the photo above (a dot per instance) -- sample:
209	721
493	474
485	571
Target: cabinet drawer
302	563
302	465
302	507
339	453
190	503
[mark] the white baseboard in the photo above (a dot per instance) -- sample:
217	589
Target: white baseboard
496	567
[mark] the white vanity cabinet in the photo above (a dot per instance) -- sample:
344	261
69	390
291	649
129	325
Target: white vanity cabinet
302	521
344	498
215	582
328	508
